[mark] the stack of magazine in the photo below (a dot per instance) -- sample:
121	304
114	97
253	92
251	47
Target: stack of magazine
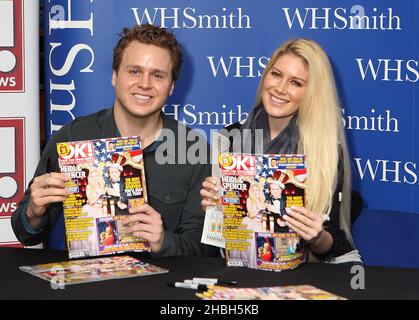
299	292
91	270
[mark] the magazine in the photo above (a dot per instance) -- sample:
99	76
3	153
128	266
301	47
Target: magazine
213	233
90	270
257	190
299	292
106	179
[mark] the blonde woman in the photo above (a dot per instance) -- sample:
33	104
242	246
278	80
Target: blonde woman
255	202
95	191
298	110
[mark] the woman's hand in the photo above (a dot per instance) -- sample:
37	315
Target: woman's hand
308	224
209	193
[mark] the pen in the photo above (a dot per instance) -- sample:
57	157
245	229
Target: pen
212	281
195	286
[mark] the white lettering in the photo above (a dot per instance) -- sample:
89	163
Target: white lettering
7	81
389	70
340	18
393	171
409	167
60	23
380	122
70	59
368	166
243	66
6	207
57	20
62	107
188	18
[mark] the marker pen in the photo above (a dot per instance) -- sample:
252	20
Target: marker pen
204	283
194	286
212	281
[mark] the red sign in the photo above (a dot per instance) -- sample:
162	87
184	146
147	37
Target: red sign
12	164
11	47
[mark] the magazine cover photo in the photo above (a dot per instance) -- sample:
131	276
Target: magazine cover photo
106	179
257	190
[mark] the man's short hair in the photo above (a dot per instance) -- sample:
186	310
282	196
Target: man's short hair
149	34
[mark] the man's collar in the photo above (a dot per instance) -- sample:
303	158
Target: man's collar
168	124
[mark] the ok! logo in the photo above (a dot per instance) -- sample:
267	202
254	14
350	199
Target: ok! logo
237	163
82	150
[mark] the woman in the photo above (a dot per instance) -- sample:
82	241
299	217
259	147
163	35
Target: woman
95	189
95	192
265	254
298	110
255	202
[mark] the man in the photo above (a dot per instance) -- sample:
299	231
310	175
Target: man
116	186
273	163
276	206
146	64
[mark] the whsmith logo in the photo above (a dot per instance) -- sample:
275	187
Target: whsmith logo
11	46
191	18
387	171
192	114
397	70
374	121
64	59
237	66
354	18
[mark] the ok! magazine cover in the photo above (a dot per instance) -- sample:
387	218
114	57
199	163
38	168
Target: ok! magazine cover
257	190
106	179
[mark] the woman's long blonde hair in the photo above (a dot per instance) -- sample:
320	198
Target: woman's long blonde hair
322	137
258	201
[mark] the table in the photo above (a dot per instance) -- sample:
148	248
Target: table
380	282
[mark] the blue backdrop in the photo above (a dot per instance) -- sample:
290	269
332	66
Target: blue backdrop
373	46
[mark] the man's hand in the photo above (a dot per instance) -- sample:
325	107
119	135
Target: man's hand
145	222
46	189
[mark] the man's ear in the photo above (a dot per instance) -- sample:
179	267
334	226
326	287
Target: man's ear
114	76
